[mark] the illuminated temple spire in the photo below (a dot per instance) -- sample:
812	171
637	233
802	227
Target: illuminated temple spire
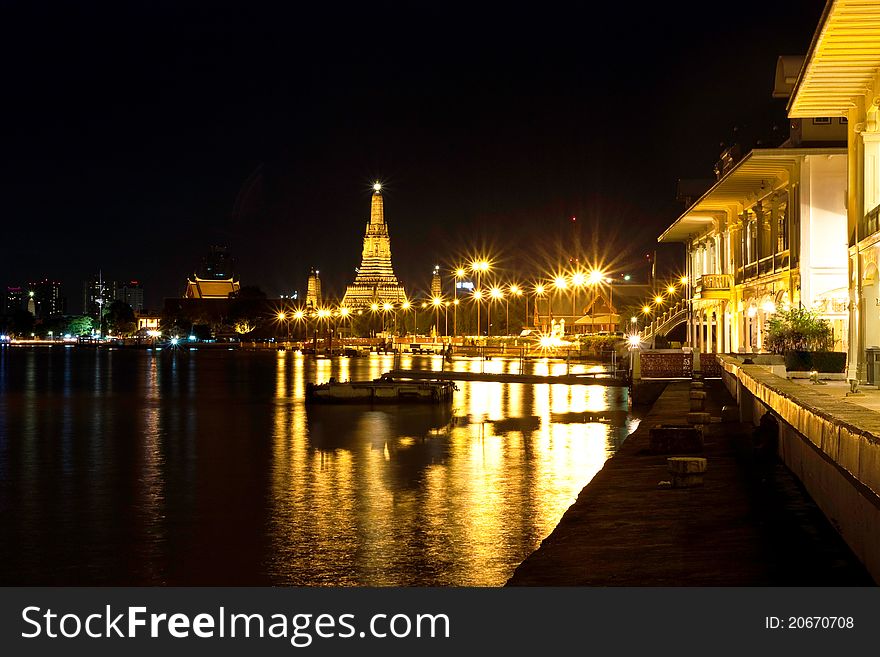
375	281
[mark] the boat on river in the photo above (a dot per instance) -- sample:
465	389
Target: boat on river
384	389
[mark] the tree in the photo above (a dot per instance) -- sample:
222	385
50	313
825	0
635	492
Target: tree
246	309
120	318
80	325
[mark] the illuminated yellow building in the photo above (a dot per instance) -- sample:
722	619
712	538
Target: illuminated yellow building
840	79
770	234
375	281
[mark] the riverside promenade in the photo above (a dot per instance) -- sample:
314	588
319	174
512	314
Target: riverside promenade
750	524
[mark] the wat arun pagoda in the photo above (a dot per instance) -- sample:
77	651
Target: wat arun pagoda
375	281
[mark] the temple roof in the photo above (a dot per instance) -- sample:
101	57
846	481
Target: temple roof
200	288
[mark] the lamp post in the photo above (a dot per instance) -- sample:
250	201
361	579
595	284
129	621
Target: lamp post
437	302
405	306
460	273
539	292
478	297
560	283
595	279
298	316
578	280
479	267
374	308
281	317
494	295
515	291
388	307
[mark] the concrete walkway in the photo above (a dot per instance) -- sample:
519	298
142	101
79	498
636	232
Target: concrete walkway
749	525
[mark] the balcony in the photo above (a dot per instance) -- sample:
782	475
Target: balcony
871	223
707	284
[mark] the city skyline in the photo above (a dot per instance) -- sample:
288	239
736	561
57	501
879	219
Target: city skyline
187	145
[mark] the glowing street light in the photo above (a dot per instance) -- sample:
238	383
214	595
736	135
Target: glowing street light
658	299
516	291
646	309
671	289
437	302
479	267
494	294
460	273
683	280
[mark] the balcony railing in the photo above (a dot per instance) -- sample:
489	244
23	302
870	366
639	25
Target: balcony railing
782	260
871	224
714	282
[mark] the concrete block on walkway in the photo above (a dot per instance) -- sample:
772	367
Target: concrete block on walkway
671	439
687	471
698	394
698	418
686	464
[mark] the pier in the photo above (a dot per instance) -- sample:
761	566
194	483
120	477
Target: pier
750	524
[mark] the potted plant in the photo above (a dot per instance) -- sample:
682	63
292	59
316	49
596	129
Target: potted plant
804	339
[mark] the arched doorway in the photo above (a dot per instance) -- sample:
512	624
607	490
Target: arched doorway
871	296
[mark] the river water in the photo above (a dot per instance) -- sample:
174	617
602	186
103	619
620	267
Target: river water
207	468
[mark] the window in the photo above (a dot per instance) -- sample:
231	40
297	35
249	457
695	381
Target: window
842	120
822	120
782	230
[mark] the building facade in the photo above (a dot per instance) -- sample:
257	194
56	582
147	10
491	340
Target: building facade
769	235
840	79
375	281
132	293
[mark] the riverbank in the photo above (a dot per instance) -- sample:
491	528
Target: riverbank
745	527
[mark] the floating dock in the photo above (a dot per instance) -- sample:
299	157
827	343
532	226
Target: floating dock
385	389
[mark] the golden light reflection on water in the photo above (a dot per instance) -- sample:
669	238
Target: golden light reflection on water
416	495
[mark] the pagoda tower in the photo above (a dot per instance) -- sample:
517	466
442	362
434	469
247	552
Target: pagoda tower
375	281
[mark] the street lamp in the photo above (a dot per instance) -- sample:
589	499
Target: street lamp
494	295
479	267
405	306
560	283
437	302
460	273
281	317
515	291
478	297
539	292
578	280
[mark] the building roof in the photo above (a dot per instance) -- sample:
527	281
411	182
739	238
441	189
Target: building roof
201	288
843	63
761	169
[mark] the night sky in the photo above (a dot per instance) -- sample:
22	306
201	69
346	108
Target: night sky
133	137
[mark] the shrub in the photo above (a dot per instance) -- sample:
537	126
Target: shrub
797	329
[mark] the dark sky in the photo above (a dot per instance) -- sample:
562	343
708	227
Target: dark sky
129	130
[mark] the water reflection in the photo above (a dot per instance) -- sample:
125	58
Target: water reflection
208	468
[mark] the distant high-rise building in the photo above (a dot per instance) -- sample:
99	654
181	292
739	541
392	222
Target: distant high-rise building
375	280
436	283
131	293
218	265
97	294
14	300
47	298
313	292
